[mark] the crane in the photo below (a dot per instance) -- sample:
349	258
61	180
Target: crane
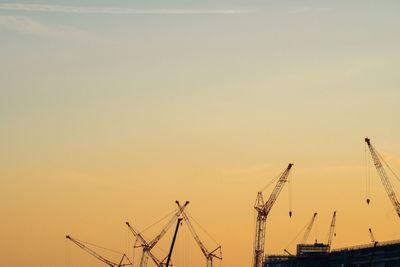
373	240
371	235
210	255
376	157
173	241
288	252
331	232
263	210
308	230
147	246
98	256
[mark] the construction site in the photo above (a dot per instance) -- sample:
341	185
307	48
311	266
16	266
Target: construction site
313	254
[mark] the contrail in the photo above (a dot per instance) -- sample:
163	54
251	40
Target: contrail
117	11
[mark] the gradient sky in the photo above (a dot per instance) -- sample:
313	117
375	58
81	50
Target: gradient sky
112	110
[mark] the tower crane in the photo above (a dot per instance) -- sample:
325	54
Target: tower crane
263	210
147	246
308	229
210	255
98	256
376	157
331	232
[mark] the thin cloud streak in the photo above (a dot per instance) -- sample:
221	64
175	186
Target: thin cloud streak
117	11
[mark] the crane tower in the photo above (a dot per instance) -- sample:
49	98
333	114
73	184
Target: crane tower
263	209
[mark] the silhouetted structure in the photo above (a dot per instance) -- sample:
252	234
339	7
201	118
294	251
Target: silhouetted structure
385	254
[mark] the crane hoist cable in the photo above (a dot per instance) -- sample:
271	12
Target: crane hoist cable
290	186
367	175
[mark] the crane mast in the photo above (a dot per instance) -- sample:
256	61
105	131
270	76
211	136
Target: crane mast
331	230
263	210
384	177
98	256
148	246
308	230
210	255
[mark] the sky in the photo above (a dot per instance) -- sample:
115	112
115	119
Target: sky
112	110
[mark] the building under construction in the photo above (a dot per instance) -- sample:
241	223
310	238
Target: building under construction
383	254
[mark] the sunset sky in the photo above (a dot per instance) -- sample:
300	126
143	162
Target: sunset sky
112	110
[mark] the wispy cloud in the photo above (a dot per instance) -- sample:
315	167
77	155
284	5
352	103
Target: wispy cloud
27	25
116	11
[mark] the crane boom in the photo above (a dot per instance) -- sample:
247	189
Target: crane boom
308	230
153	242
373	240
209	255
148	246
384	177
98	256
146	252
371	235
332	230
263	210
173	242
